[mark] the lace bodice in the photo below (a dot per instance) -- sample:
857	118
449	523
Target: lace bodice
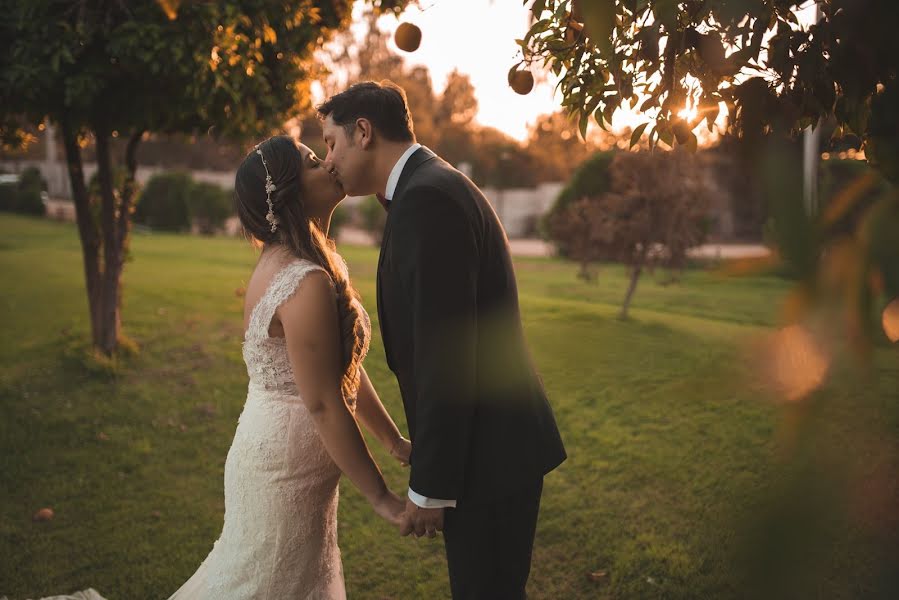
268	365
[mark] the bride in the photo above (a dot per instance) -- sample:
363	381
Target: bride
306	337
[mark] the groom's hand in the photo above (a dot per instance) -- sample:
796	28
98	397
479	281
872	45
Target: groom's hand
421	521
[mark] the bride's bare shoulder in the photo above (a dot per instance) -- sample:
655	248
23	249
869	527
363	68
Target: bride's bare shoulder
267	267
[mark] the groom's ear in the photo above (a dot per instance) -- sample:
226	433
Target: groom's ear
363	133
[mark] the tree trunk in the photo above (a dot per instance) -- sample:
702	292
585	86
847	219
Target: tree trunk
635	275
585	273
87	228
110	317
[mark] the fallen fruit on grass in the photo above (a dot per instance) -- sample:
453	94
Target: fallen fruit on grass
44	514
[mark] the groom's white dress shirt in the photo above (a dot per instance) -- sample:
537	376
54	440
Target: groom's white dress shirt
392	181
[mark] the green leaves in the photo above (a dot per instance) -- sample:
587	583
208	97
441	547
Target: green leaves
637	133
883	132
665	12
801	74
198	66
582	124
599	22
775	75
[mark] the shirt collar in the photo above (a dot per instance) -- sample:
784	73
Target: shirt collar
394	178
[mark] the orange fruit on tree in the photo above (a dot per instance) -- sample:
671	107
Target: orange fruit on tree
407	37
522	81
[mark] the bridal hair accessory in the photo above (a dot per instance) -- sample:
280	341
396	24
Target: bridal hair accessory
269	188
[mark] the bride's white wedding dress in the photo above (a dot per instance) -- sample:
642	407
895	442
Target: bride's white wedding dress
279	539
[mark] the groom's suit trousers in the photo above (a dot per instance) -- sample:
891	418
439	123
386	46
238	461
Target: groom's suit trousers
488	546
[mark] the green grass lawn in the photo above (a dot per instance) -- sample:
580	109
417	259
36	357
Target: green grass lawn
677	449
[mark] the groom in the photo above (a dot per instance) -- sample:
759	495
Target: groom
483	434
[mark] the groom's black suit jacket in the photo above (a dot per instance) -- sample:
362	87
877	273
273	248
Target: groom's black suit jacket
478	416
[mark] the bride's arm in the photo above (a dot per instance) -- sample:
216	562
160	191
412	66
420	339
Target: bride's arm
311	330
376	419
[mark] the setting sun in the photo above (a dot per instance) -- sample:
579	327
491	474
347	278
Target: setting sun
688	113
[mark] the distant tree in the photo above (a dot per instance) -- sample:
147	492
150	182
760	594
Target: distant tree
371	58
591	179
501	161
457	105
105	69
571	230
209	206
456	109
553	142
310	128
654	211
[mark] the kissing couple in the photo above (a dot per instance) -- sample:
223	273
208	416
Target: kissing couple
481	432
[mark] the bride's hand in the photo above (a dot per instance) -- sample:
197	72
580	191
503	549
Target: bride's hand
390	507
402	450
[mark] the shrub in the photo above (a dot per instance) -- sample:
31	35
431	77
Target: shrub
26	195
209	206
373	218
592	178
30	192
340	218
8	195
163	203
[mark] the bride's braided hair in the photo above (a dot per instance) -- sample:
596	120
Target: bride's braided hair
299	234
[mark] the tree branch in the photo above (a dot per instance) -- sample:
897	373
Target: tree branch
130	187
107	195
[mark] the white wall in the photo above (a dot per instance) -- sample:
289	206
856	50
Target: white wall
516	207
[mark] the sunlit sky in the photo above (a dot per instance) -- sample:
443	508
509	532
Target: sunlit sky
477	37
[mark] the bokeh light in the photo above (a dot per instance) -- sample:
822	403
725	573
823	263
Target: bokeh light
891	320
795	362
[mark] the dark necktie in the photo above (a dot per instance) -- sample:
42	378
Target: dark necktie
384	201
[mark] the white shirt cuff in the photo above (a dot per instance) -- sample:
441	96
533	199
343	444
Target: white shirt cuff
424	502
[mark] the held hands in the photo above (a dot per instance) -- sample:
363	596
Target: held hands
390	507
401	451
411	518
421	521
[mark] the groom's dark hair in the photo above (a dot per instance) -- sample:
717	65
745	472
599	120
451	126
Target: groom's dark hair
384	104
